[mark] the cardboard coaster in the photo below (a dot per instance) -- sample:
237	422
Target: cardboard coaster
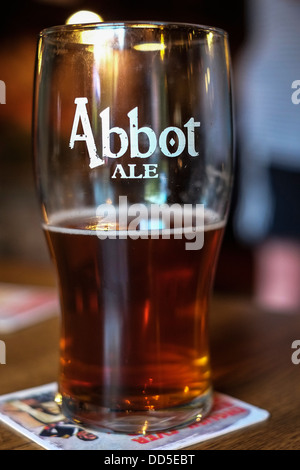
35	414
22	306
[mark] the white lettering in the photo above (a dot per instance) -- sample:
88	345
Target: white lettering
119	169
190	125
134	135
170	459
132	172
107	132
115	460
151	170
108	216
141	142
164	212
154	221
296	354
296	94
163	141
87	136
140	212
198	222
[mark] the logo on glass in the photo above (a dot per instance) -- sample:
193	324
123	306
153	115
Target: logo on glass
166	140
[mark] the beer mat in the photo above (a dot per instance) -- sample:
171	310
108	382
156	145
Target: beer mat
35	414
22	305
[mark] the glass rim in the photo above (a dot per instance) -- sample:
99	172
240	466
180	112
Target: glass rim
131	25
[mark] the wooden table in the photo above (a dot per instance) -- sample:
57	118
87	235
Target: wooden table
251	358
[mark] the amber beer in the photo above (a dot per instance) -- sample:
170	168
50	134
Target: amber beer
134	320
137	113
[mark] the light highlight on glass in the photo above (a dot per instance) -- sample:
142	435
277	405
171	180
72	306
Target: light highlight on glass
84	16
150	47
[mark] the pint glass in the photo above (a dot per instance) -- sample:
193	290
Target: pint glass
133	162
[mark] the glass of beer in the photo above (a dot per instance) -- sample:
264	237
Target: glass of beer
133	152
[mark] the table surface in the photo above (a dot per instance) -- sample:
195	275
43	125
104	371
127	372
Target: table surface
251	359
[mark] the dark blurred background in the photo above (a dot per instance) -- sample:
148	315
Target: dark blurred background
21	238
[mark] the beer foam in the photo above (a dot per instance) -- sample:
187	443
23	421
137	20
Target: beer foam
67	222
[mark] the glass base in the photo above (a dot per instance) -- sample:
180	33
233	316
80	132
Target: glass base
137	422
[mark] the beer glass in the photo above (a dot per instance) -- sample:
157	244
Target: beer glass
133	151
